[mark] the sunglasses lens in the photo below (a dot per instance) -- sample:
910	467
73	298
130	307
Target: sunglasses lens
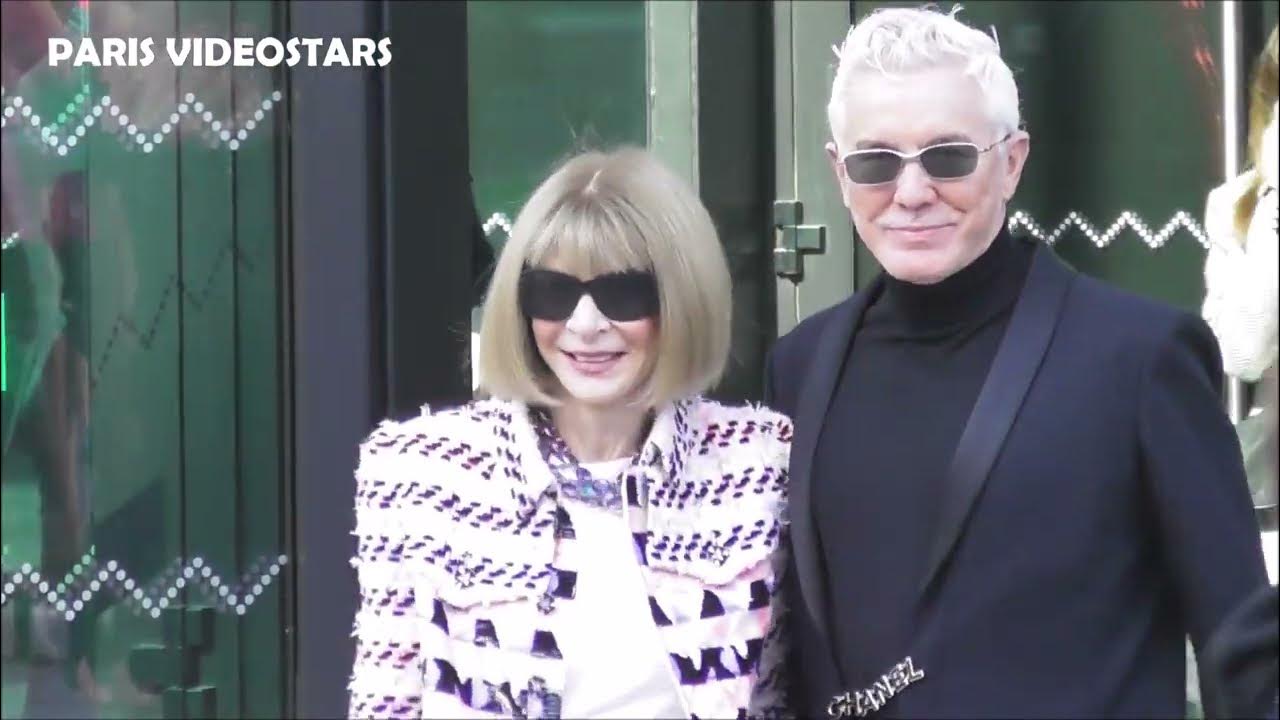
942	162
548	295
626	296
947	162
621	297
872	167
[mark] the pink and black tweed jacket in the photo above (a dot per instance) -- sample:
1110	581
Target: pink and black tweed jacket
466	562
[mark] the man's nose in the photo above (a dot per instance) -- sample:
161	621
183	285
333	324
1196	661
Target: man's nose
586	318
914	187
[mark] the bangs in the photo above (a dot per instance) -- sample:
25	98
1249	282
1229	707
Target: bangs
602	213
587	238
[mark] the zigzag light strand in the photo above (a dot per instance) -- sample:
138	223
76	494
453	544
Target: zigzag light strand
91	578
497	220
1128	218
221	131
1020	219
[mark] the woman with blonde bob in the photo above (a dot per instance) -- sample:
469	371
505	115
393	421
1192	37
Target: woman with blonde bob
594	539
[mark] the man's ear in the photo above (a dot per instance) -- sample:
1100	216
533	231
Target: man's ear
833	157
1019	147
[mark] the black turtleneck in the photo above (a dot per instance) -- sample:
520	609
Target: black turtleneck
914	370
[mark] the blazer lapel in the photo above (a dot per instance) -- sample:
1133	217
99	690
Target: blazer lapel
815	397
1018	359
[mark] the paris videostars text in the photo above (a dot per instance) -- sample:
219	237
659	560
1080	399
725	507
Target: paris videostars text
219	52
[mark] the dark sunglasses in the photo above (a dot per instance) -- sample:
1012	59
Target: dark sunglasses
621	297
944	161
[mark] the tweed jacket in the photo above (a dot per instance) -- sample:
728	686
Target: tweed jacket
466	561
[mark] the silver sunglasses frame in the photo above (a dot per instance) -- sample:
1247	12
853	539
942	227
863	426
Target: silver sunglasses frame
915	157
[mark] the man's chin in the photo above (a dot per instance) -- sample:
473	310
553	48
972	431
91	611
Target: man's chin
919	267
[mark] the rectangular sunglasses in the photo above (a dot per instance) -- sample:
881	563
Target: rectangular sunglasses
621	297
944	161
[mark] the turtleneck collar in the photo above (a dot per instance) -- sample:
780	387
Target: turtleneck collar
967	298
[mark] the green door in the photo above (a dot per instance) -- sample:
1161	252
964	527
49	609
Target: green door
814	252
142	480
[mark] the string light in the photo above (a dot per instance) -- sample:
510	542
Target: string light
1127	219
89	579
497	220
220	131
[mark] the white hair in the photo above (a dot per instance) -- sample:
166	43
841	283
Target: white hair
899	40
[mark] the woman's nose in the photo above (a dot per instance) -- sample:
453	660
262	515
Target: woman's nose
586	318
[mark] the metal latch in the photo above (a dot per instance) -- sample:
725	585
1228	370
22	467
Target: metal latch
793	240
172	668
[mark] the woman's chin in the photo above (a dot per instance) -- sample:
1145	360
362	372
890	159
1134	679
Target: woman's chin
595	390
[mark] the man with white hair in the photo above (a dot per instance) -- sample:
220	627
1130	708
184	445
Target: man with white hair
1014	490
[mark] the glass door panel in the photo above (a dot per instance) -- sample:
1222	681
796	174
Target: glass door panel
142	477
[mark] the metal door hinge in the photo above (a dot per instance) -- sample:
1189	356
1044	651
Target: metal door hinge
172	668
793	240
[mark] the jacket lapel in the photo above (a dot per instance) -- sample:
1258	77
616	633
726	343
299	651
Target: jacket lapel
815	399
1018	359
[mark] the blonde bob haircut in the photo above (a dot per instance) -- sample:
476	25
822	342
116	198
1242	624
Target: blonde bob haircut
604	212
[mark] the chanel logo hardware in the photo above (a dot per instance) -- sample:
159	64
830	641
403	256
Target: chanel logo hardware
862	703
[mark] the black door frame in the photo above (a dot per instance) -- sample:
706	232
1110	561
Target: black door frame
380	225
336	371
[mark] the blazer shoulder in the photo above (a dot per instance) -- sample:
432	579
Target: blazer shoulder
1132	317
751	421
450	447
471	423
742	440
435	498
795	348
1128	332
807	332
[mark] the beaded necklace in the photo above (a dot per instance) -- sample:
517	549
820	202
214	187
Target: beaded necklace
573	480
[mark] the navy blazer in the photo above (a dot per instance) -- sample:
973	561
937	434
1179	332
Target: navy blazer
1115	520
1242	660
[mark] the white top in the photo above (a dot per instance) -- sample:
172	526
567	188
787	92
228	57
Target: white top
1241	280
616	664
